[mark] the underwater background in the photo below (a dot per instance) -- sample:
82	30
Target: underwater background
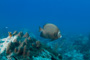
71	16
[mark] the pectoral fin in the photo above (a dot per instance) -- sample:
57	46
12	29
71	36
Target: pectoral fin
55	34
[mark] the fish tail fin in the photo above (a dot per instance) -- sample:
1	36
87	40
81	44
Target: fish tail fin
40	29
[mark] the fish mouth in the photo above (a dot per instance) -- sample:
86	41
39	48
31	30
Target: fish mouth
59	34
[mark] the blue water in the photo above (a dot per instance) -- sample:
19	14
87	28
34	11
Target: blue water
71	16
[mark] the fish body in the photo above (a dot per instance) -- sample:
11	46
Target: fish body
50	31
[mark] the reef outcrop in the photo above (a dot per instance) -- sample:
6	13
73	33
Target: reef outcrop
24	47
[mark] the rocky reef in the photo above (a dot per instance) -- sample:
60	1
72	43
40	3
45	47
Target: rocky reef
24	47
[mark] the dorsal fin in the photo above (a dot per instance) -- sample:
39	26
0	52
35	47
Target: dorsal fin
45	24
40	29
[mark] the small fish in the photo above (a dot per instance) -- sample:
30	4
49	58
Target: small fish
50	31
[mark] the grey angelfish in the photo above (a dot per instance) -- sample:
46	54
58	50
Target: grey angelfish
50	31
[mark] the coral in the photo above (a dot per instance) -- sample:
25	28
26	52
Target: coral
15	33
10	34
24	47
20	34
45	55
24	50
87	55
40	58
29	38
26	41
8	48
38	44
73	55
15	50
28	53
20	50
26	35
